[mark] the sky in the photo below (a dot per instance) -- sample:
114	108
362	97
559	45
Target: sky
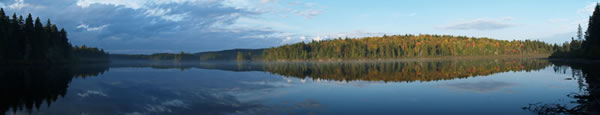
152	26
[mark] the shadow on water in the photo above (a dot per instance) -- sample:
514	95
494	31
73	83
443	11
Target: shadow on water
586	102
27	88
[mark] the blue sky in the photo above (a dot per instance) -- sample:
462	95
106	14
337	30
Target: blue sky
150	26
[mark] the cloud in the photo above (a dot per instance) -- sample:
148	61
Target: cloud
91	92
151	26
164	14
480	24
308	13
19	4
134	4
268	1
587	10
294	38
150	8
87	28
141	26
481	86
307	10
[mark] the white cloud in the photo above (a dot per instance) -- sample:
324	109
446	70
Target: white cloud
164	14
134	4
150	8
268	1
91	92
353	34
587	10
88	28
18	4
310	13
479	24
317	38
304	9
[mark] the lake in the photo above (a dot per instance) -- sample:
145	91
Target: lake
474	86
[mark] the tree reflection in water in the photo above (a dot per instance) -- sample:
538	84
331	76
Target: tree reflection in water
587	102
403	71
27	88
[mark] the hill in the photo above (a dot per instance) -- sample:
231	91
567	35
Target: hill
405	46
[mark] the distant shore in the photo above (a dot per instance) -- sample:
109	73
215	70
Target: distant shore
539	56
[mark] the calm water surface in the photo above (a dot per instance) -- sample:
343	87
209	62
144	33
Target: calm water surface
494	86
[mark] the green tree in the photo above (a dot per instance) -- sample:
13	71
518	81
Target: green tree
592	39
29	40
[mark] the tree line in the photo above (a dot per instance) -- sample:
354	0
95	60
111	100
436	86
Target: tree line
28	40
225	55
587	45
405	46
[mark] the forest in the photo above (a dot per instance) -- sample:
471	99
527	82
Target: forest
225	55
587	45
29	41
405	46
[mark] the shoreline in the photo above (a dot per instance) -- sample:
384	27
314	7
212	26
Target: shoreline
441	58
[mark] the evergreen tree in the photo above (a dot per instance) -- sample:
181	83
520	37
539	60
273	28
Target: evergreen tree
579	33
3	33
39	43
592	38
29	37
29	40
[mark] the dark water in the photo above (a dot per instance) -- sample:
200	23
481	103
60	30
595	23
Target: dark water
491	86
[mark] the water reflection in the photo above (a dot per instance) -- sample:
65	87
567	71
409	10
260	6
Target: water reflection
387	71
263	88
587	101
404	71
25	88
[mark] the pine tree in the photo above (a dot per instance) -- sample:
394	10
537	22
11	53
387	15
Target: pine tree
39	44
29	37
3	34
579	33
592	38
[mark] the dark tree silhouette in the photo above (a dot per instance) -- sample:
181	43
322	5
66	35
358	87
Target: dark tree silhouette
588	48
592	39
30	41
